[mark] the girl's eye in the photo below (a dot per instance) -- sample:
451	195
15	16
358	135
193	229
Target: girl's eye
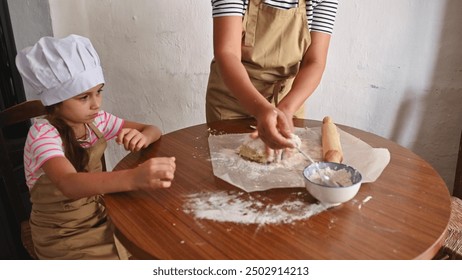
83	97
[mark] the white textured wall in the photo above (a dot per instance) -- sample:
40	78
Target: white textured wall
30	20
394	68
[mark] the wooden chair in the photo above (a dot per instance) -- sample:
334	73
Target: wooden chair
457	192
11	151
452	247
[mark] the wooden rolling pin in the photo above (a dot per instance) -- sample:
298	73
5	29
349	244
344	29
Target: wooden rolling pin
331	147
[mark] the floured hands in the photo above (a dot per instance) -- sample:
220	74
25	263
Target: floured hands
274	128
154	173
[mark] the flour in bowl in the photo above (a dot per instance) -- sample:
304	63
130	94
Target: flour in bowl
342	177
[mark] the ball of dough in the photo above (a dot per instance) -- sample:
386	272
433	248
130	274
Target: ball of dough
255	149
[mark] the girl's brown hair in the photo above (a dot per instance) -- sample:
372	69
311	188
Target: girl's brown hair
73	151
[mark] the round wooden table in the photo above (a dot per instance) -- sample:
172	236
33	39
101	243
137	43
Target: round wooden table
406	219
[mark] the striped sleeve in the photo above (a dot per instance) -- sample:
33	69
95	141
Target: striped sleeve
229	7
108	124
321	15
43	143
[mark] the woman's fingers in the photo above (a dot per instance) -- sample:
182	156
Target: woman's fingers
274	129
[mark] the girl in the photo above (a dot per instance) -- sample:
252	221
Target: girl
63	151
269	57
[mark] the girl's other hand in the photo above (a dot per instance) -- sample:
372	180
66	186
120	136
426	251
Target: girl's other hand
154	173
132	139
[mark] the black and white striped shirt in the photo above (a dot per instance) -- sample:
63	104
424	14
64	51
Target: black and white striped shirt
320	13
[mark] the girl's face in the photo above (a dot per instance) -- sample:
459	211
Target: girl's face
82	108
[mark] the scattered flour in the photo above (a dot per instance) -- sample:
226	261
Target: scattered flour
367	199
243	208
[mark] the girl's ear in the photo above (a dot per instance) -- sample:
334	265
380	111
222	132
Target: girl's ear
54	109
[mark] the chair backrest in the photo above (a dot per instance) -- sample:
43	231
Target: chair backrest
457	192
11	151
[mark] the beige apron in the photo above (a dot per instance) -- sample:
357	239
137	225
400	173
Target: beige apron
64	228
273	44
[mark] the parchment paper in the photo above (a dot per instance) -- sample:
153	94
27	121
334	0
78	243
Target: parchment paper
288	173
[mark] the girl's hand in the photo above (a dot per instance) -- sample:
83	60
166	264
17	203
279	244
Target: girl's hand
154	173
132	139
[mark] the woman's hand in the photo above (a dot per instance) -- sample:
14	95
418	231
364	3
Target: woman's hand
132	139
289	117
274	128
154	173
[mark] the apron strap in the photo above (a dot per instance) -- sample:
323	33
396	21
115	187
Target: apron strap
251	22
278	88
98	133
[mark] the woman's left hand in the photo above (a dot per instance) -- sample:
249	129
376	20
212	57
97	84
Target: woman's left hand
132	139
289	118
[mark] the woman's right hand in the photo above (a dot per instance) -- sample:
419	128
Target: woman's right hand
274	128
154	173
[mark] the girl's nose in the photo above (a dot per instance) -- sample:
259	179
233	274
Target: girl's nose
95	103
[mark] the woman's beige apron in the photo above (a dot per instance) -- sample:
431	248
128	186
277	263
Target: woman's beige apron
64	228
273	44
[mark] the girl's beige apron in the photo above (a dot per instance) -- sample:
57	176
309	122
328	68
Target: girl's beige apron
64	228
273	44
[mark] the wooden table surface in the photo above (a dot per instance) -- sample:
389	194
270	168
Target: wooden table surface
405	219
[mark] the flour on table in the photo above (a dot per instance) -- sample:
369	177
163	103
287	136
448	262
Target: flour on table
243	208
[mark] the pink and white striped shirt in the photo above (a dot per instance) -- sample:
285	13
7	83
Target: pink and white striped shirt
44	142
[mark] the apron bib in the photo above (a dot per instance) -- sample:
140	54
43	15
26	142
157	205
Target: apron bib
64	228
273	44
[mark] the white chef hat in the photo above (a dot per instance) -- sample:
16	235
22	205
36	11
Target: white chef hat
58	69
